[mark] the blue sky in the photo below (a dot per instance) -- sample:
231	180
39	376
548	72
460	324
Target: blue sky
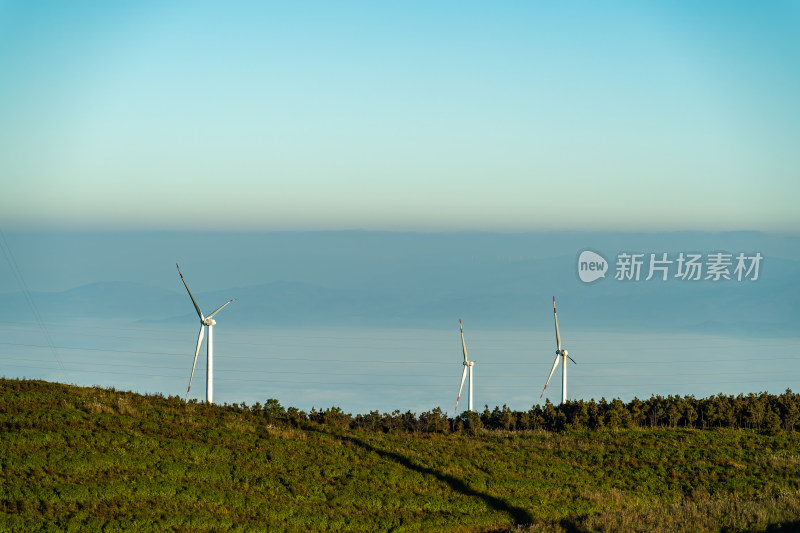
510	116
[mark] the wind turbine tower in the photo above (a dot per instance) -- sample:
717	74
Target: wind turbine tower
560	354
467	367
206	322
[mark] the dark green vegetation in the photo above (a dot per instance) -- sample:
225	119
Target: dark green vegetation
91	459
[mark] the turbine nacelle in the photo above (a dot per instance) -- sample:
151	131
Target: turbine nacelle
209	321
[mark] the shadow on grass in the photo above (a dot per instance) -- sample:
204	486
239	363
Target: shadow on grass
787	527
519	515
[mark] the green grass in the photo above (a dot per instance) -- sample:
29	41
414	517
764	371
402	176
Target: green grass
90	459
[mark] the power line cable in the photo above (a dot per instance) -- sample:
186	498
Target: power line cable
29	297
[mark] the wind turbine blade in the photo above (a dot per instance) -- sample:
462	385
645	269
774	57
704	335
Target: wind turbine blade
558	335
555	364
220	308
463	376
196	353
197	307
463	344
571	359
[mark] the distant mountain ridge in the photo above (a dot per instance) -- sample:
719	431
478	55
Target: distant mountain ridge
501	281
726	309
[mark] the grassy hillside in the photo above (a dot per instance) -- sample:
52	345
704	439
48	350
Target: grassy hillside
90	459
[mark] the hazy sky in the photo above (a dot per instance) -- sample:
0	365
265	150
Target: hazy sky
403	116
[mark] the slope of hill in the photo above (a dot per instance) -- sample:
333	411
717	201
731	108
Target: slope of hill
92	459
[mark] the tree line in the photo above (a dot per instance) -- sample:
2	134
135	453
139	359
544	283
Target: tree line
763	412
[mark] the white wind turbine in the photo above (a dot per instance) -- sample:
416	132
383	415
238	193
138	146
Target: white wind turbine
467	366
559	354
205	322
